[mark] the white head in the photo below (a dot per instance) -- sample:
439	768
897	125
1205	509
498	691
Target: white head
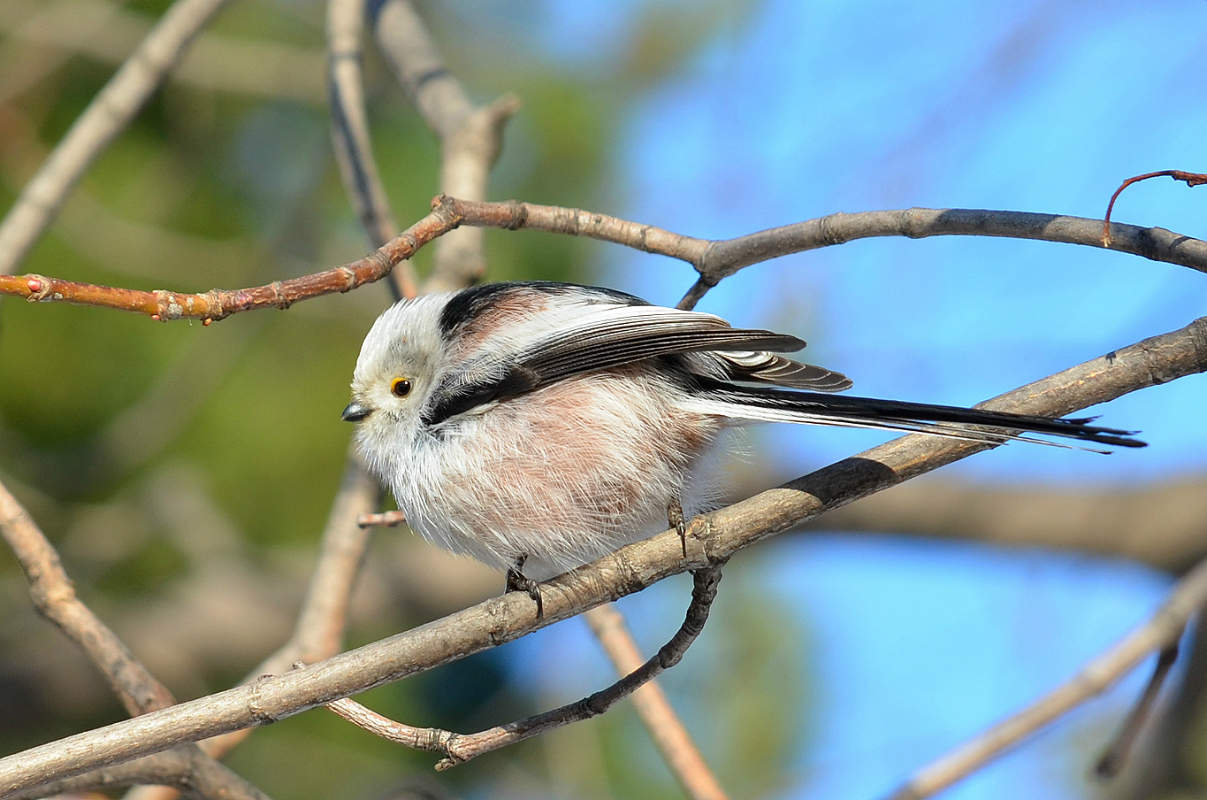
395	373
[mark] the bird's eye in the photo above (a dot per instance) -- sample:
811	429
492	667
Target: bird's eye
400	387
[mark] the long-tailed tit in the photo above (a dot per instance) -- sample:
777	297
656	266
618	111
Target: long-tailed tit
542	425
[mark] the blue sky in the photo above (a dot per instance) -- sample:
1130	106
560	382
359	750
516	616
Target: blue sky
810	108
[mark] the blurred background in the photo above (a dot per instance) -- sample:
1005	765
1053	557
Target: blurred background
185	472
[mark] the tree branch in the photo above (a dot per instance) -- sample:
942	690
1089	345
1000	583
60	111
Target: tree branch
109	112
458	748
713	259
55	598
720	534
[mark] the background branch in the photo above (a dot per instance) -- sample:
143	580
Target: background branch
55	598
1160	525
721	533
106	116
350	134
666	729
1160	632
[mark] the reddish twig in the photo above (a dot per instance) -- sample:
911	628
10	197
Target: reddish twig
217	304
1191	179
713	260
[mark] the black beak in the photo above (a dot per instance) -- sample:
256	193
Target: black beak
355	412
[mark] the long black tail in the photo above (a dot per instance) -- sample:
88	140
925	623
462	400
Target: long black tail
777	405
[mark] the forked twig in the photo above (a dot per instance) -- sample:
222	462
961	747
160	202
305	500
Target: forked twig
664	725
458	748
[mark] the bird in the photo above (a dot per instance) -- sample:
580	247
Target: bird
537	425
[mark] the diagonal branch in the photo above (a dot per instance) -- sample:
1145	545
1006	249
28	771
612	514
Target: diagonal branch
1159	633
55	598
1158	359
109	112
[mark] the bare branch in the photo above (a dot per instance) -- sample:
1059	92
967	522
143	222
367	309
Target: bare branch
55	598
1157	634
714	259
105	117
181	769
460	748
667	730
217	304
350	134
1158	359
470	137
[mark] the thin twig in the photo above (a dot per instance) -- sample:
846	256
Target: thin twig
665	727
1161	631
217	304
1191	179
350	134
109	112
458	748
1117	753
1156	360
714	259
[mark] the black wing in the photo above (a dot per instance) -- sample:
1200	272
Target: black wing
573	338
